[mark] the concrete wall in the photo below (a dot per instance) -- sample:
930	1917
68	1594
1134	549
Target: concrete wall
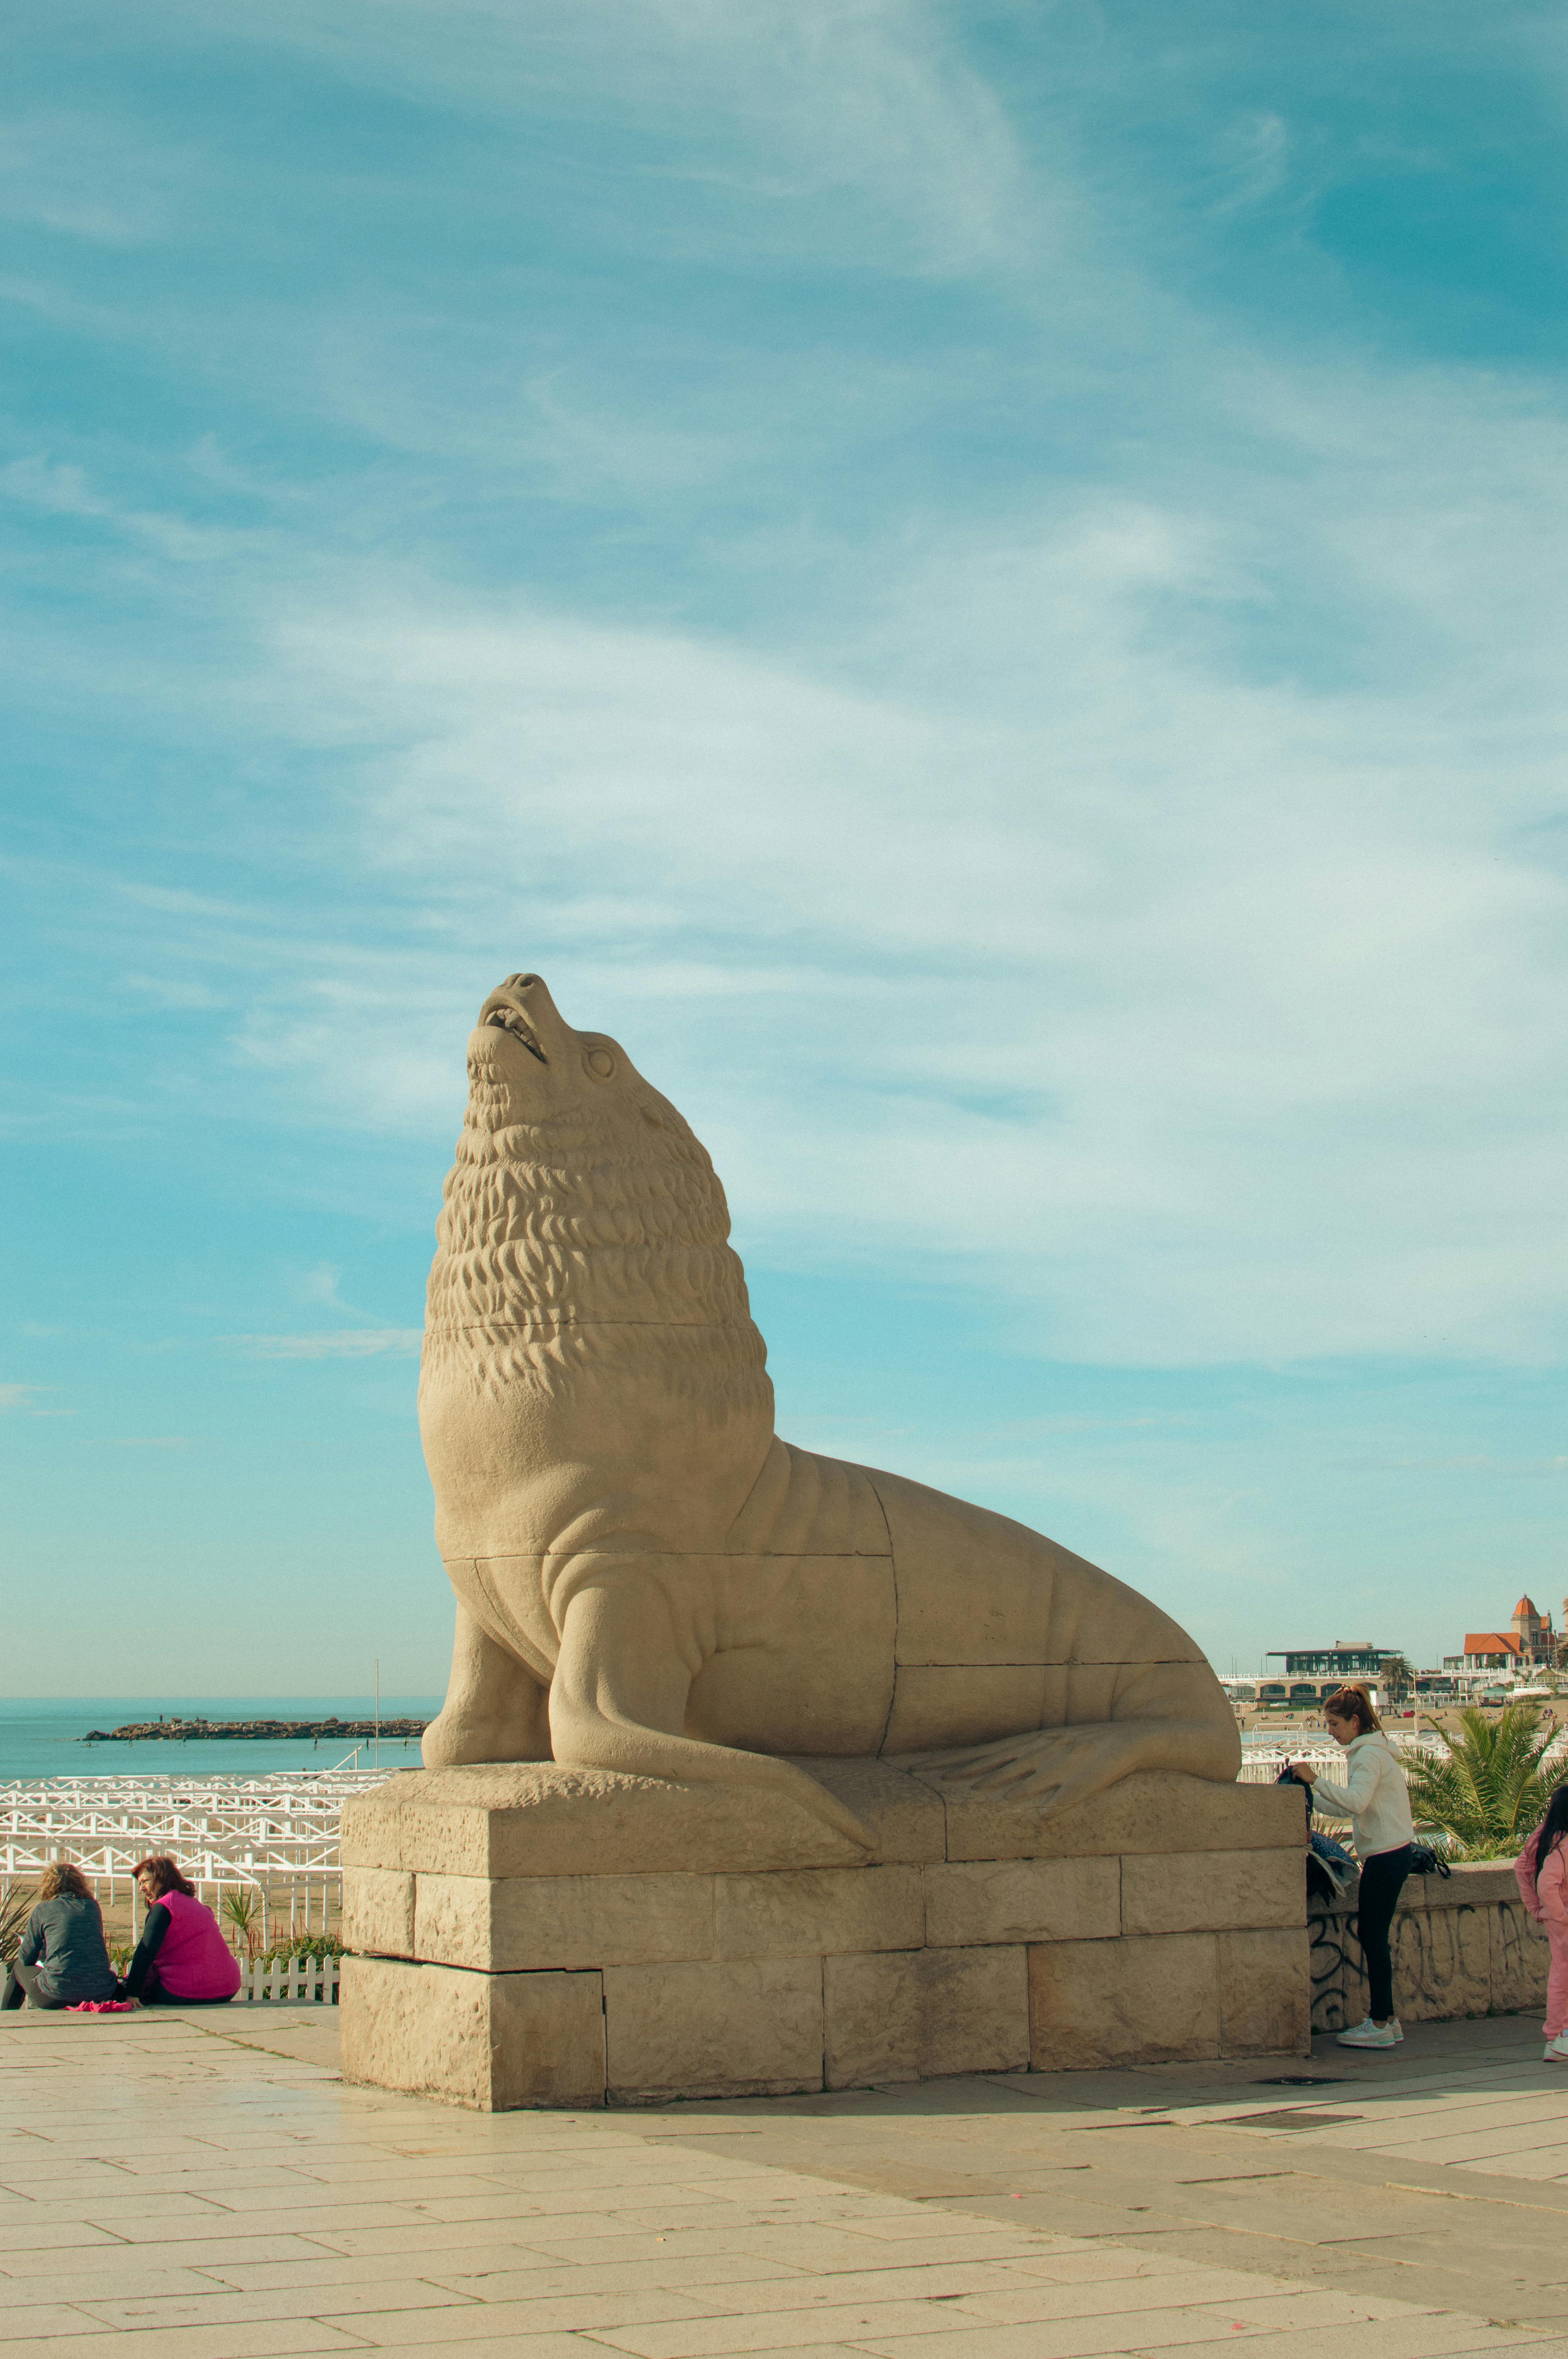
1463	1946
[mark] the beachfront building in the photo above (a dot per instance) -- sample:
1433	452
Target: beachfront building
1529	1645
1313	1672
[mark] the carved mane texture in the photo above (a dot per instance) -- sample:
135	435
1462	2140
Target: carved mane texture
592	1244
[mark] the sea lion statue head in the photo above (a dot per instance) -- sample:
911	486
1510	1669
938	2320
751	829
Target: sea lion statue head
588	1332
531	1070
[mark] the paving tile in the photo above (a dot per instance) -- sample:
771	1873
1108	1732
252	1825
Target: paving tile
1419	2338
1124	2298
219	2308
803	2291
210	2253
34	2322
323	2268
402	2200
712	2338
590	2312
511	2346
1098	2262
125	2213
912	2222
423	2236
548	2279
1548	2169
89	2185
49	2236
302	2220
272	2340
99	2282
1521	2140
1055	2339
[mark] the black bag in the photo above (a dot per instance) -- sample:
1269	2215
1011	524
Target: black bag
1331	1872
1425	1861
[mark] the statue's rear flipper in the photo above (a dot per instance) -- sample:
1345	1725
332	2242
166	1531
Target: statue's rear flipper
1054	1767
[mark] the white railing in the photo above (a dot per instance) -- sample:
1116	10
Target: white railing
296	1979
1262	1761
227	1833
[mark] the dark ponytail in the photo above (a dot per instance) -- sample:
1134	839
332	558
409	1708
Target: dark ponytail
1353	1703
1553	1827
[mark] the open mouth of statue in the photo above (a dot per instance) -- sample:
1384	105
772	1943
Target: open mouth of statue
512	1020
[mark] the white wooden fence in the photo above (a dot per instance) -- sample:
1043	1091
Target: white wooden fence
295	1979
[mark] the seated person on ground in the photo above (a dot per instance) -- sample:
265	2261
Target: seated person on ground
182	1959
62	1959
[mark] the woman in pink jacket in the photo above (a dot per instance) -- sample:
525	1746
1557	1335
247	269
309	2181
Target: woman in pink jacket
1542	1872
181	1959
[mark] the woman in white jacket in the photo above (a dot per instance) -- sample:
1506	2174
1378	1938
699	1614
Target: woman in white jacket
1375	1800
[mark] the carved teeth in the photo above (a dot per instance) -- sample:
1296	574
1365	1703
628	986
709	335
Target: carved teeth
512	1019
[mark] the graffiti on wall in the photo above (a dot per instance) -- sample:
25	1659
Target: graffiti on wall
1451	1957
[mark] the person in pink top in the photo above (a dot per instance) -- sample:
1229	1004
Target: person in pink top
1541	1869
181	1959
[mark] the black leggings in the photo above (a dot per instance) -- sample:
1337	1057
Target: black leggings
1381	1878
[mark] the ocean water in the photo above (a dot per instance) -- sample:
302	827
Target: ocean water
42	1736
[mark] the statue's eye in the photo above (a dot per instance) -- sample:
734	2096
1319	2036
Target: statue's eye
600	1063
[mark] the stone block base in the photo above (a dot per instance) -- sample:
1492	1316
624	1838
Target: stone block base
494	1969
492	2041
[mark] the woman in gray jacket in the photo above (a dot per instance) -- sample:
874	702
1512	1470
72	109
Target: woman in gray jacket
62	1958
1375	1799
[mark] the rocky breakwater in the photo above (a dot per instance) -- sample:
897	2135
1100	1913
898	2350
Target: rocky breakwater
188	1729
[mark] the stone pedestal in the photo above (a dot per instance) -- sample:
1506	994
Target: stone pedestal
527	1935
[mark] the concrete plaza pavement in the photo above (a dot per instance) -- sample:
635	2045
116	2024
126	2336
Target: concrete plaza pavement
203	2186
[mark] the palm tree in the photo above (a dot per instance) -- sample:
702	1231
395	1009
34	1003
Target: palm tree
1396	1677
1489	1787
16	1908
247	1919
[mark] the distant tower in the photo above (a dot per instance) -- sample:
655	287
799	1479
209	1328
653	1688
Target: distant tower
1534	1631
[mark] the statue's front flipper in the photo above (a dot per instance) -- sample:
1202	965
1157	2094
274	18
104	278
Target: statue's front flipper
619	1700
494	1709
1054	1767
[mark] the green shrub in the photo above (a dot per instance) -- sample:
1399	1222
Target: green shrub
302	1945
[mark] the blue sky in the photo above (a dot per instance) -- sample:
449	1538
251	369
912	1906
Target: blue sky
985	587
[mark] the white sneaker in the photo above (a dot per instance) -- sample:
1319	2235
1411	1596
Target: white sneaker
1371	2035
1397	2028
1557	2049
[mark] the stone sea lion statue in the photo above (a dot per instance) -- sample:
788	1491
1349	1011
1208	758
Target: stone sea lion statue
647	1578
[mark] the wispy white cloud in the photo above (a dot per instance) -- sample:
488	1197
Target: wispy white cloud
1207	1015
343	1344
866	130
1252	159
1135	895
84	175
23	1399
62	488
